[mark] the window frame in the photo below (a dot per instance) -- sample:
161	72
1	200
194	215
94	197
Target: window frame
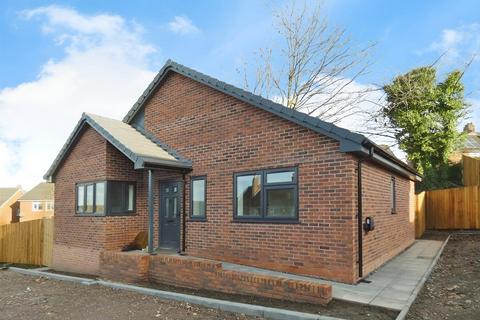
36	206
393	195
49	206
192	217
263	217
107	205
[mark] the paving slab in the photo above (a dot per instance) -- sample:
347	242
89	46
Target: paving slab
390	286
397	279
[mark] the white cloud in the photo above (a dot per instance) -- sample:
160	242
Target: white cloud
457	44
104	69
182	25
475	115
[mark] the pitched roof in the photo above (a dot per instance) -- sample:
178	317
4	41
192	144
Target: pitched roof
349	141
42	191
7	193
472	142
141	148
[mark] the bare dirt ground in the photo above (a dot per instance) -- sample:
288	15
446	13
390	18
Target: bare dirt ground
453	289
26	297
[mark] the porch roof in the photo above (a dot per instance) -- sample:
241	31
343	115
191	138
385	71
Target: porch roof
143	149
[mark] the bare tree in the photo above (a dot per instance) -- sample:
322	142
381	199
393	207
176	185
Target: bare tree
313	68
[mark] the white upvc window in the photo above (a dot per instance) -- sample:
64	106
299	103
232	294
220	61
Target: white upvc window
49	206
37	206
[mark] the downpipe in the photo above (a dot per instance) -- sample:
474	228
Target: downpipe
360	212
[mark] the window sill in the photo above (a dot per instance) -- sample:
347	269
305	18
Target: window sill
104	215
89	215
267	221
197	219
121	214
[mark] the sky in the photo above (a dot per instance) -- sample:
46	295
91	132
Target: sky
59	59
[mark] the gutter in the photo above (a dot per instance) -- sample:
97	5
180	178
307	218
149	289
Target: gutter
377	155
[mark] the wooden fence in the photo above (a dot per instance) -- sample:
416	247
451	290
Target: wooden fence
420	211
456	208
471	171
29	242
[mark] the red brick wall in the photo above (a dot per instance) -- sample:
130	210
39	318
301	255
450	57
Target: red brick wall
79	240
209	275
130	267
120	230
393	232
223	135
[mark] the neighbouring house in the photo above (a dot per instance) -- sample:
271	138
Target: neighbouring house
35	204
466	157
8	196
469	147
212	171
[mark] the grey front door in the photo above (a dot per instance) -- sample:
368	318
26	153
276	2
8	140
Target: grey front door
170	203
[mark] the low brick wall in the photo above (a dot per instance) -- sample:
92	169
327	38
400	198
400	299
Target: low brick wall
128	267
190	272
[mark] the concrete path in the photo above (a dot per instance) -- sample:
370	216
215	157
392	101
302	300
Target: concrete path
390	286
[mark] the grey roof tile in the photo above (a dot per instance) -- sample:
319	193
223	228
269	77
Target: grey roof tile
42	191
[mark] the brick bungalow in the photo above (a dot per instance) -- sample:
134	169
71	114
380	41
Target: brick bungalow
215	172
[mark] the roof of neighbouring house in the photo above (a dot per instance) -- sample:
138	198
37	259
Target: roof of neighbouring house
140	147
7	193
42	191
472	141
349	141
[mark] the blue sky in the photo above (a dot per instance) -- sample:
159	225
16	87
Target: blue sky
58	59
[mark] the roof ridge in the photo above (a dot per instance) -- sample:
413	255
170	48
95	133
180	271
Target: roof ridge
328	128
125	150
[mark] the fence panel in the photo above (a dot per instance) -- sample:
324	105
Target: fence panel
456	208
47	242
420	212
471	171
26	242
